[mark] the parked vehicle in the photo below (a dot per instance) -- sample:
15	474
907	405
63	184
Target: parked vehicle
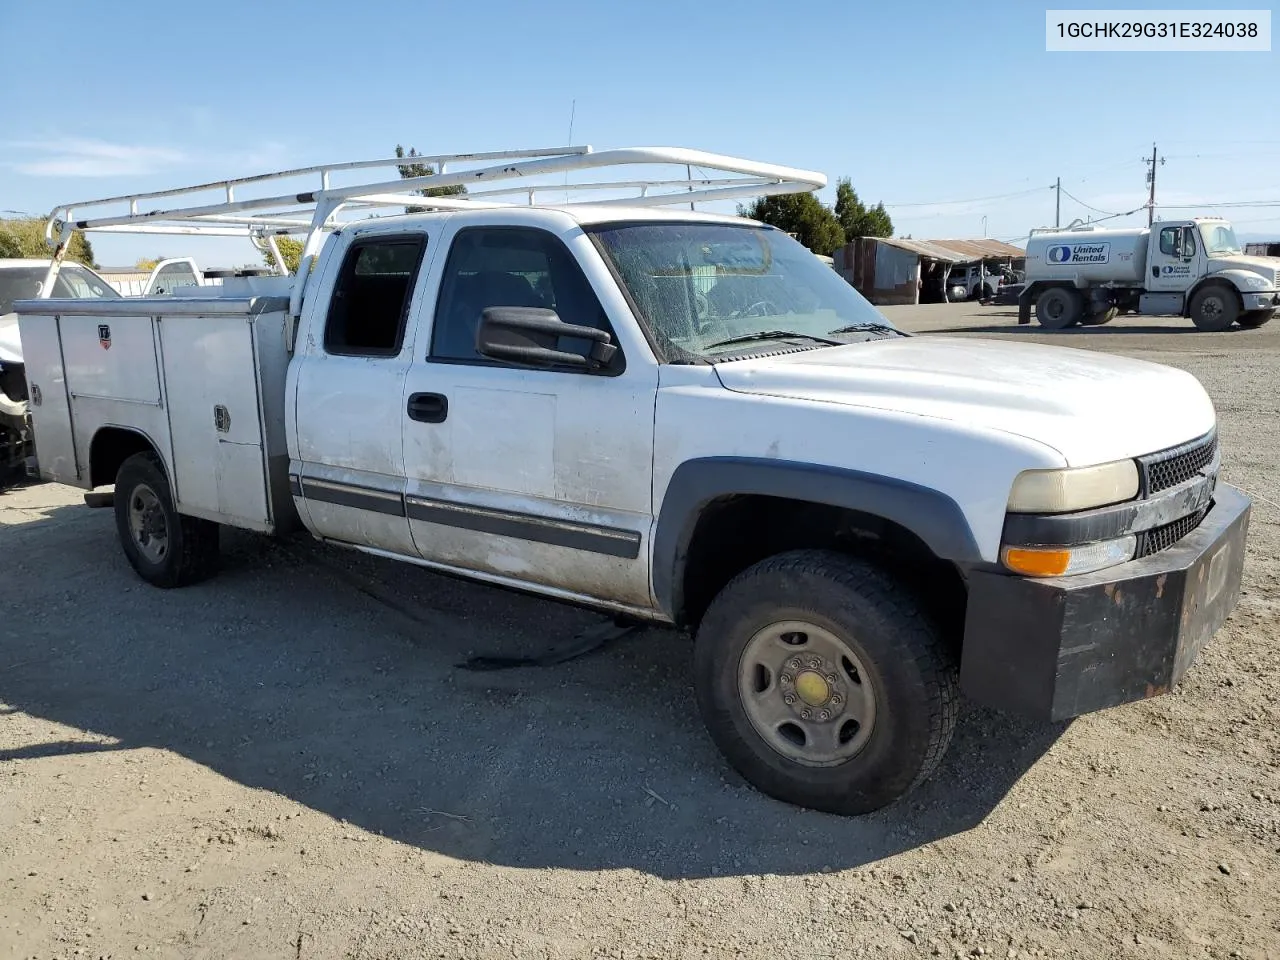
674	417
976	282
1189	268
20	279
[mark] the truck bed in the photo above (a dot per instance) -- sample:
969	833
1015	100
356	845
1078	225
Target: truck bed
97	368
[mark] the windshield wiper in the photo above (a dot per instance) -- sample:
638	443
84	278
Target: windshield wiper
771	335
866	328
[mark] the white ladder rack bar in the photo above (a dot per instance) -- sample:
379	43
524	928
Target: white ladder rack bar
324	168
754	179
261	218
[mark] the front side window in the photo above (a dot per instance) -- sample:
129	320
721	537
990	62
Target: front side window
510	267
1188	242
1170	241
699	285
371	298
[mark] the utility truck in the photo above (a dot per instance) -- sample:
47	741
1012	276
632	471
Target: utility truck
668	415
1187	268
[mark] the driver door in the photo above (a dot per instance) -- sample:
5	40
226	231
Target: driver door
527	474
1175	259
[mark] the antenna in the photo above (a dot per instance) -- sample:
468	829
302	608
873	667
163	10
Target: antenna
573	112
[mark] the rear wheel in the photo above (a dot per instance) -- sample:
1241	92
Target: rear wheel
1255	318
1098	319
166	548
824	683
1059	307
1214	308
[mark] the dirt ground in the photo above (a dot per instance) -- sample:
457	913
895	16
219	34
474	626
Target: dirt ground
281	763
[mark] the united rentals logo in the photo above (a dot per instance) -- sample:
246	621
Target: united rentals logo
104	336
1080	253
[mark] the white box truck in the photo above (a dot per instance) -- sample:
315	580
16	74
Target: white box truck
1190	268
672	417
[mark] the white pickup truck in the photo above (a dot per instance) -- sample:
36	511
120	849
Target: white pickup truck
678	417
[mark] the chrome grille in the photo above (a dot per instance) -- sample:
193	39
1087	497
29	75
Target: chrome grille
1166	469
1164	537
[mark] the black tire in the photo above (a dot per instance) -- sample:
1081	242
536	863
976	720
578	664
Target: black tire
1059	307
1214	308
986	293
903	661
1099	318
1254	318
171	550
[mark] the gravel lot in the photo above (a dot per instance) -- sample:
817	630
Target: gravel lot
281	763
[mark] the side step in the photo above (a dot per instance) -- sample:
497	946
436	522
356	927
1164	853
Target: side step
98	500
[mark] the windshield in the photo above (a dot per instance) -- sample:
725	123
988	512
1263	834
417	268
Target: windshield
74	282
698	285
1219	238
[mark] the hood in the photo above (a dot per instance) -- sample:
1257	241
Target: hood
1267	267
10	345
1089	406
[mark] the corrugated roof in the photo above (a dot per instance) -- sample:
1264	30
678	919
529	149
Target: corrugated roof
955	250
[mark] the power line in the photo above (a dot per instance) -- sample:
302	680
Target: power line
949	203
1225	203
1090	206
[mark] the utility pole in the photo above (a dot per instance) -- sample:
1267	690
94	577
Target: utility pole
1057	209
1151	179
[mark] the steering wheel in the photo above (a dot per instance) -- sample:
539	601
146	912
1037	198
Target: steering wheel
761	308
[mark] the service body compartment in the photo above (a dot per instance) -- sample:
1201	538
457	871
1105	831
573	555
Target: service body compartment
202	379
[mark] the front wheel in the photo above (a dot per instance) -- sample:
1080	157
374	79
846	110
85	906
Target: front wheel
1214	308
823	682
166	548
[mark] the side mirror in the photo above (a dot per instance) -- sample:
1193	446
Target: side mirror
531	335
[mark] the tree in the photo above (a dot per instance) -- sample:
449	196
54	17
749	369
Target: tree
858	220
802	214
25	238
290	252
147	263
410	170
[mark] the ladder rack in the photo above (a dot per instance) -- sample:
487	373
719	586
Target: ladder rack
520	173
316	203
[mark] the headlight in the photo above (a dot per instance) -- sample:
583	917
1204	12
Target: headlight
1255	282
1073	488
1063	561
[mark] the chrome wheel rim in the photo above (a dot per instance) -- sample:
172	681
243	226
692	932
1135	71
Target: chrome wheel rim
147	524
806	693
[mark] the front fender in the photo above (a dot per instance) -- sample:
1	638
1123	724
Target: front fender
1237	278
932	516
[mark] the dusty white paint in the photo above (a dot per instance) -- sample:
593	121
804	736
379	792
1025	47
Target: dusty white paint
962	417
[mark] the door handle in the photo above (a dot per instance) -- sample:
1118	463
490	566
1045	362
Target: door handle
428	407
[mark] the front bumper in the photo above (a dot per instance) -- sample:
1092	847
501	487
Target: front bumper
1261	301
1062	647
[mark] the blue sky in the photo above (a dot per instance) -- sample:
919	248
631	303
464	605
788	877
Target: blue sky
920	104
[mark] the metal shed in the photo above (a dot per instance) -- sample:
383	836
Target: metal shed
889	270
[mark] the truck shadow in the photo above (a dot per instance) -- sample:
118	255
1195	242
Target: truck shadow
284	676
